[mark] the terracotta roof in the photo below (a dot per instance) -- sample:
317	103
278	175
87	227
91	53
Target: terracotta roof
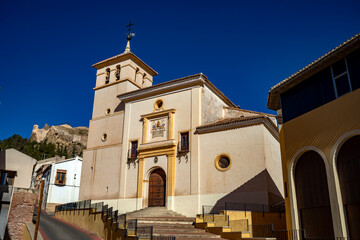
329	58
231	120
250	111
231	123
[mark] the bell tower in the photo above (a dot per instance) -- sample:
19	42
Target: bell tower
114	76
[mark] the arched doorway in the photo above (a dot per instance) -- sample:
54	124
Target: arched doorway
348	166
312	196
157	185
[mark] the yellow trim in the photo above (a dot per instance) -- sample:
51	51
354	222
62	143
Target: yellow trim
116	82
146	117
217	162
169	150
158	114
140	177
171	126
179	137
171	175
145	130
163	149
156	108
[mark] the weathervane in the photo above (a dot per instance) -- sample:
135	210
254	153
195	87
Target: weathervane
129	36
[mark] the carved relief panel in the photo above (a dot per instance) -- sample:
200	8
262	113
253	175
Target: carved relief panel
158	129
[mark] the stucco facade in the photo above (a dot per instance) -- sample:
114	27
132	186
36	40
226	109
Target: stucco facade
158	120
68	191
324	131
14	161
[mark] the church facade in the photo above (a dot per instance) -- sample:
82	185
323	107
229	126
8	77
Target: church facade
179	144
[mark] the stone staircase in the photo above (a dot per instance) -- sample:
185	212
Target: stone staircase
167	223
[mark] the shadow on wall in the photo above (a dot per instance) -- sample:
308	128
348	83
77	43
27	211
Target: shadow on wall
120	107
261	189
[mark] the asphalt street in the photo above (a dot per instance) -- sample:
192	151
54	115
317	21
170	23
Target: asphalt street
53	229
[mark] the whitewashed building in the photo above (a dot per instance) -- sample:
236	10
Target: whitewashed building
180	144
64	183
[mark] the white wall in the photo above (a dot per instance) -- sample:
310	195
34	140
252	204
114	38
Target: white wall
70	191
21	163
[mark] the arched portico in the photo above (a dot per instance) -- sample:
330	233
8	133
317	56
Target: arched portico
312	195
348	169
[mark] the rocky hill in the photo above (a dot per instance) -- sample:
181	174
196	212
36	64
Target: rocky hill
71	140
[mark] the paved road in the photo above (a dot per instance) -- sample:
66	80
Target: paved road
53	229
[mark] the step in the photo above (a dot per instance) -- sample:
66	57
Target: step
186	235
170	225
188	230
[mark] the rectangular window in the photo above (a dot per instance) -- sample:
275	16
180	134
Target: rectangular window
340	77
184	142
308	95
60	177
7	177
353	64
328	84
133	149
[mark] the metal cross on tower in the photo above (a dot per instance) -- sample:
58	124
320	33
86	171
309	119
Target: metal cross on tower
129	29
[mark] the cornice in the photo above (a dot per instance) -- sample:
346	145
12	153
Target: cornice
158	114
157	148
240	124
122	57
116	82
181	83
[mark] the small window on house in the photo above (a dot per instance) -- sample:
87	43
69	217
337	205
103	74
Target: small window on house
7	177
108	111
184	142
133	149
60	177
107	76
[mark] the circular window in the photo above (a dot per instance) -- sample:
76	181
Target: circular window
222	162
104	137
159	104
107	112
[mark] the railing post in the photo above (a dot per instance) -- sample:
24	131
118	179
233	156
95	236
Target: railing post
151	232
263	210
245	208
203	211
136	227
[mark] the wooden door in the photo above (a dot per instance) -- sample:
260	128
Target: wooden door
157	184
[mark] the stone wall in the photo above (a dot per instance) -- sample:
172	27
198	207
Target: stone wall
21	211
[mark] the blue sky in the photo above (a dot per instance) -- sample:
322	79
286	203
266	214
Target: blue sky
243	47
